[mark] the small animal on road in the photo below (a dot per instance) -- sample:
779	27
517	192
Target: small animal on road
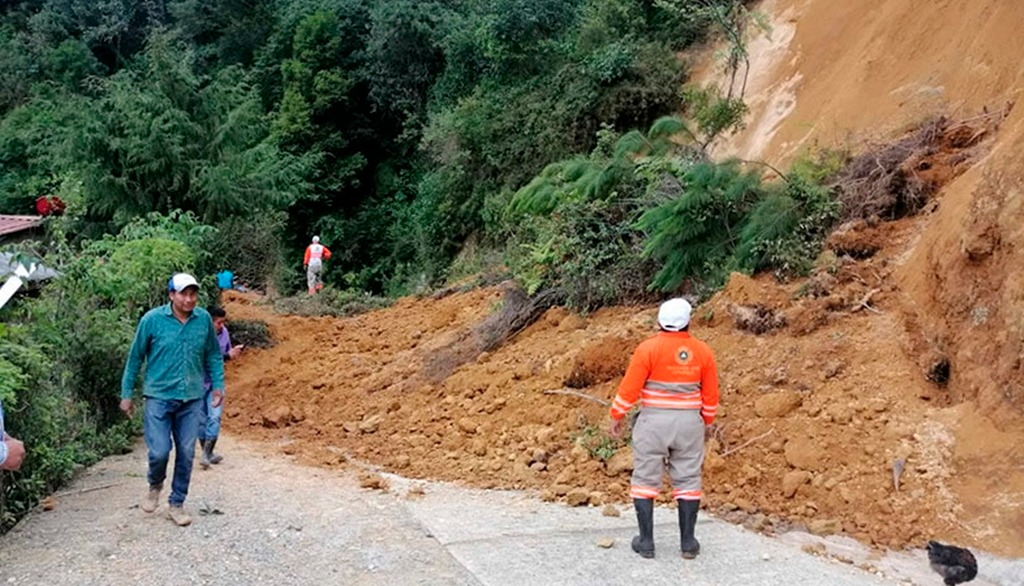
956	565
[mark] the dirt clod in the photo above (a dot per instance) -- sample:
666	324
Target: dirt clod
577	497
777	404
792	482
756	319
373	481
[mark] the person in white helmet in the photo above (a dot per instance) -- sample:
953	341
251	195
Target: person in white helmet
313	262
674	377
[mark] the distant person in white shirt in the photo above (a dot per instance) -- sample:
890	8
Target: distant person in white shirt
316	254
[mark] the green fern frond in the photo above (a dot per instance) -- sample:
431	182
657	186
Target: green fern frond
537	198
665	127
574	169
632	144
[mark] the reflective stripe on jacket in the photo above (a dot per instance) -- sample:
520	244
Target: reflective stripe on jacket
316	252
671	370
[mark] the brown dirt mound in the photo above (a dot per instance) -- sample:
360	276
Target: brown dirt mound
601	362
856	239
812	420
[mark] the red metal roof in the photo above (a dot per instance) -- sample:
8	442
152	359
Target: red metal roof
12	224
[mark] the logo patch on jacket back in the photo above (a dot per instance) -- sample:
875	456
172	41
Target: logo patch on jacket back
683	355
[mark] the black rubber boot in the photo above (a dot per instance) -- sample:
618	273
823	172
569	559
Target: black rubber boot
643	544
211	444
204	455
687	524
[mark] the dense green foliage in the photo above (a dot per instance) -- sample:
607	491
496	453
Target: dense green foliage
382	126
649	212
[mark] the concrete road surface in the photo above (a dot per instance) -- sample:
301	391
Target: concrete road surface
262	519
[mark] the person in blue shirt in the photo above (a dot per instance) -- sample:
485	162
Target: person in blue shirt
12	451
178	344
225	279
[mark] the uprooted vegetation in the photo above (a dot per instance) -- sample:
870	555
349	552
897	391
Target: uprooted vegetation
513	313
251	333
893	180
756	319
330	302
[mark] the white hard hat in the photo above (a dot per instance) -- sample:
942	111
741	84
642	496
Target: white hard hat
674	314
316	239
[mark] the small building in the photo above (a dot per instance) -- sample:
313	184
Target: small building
17	228
16	272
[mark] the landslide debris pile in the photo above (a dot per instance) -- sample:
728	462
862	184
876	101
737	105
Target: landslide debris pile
803	442
829	422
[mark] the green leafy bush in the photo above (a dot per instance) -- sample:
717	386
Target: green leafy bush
785	231
597	442
587	250
694	235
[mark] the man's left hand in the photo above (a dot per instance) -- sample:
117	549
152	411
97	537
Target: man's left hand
218	398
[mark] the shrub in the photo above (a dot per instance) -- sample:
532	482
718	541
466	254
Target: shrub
597	442
331	302
694	234
251	333
589	251
786	229
61	434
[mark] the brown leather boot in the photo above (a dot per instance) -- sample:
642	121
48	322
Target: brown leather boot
177	514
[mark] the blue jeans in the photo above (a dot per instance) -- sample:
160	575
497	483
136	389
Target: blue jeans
164	420
209	418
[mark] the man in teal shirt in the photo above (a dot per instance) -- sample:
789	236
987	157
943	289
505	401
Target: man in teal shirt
178	344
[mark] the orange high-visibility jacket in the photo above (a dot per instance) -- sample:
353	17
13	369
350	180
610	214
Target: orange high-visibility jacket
316	251
671	370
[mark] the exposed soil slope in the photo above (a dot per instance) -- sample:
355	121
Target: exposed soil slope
839	75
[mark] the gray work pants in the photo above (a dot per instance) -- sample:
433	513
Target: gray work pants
675	435
313	273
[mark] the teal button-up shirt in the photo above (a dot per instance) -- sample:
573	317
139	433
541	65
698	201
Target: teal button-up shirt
177	356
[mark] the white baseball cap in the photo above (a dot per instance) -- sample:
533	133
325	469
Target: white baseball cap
674	314
181	281
316	239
